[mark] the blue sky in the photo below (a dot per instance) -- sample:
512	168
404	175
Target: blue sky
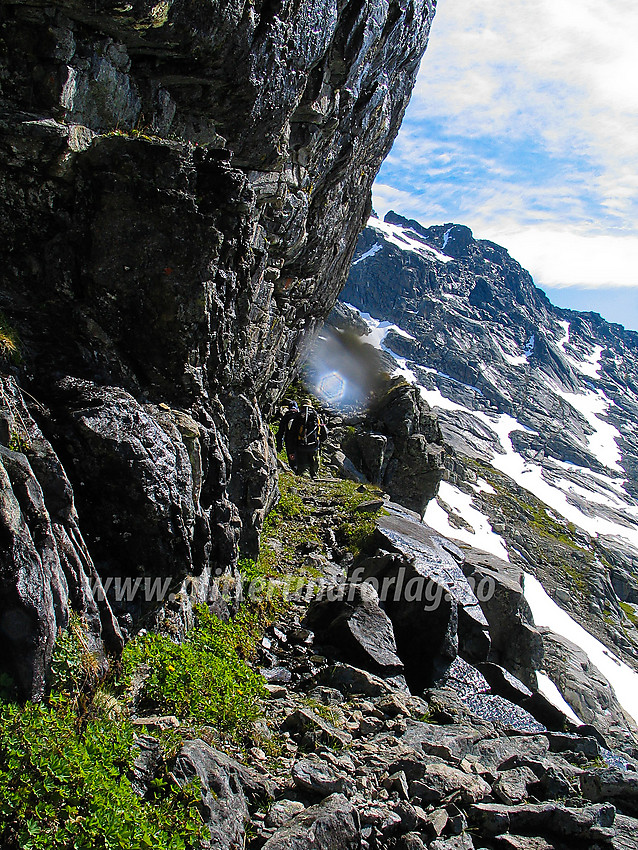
523	125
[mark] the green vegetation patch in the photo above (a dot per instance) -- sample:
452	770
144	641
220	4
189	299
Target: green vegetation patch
64	785
9	341
205	678
64	769
630	613
306	508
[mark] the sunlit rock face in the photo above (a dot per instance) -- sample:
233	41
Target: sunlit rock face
183	187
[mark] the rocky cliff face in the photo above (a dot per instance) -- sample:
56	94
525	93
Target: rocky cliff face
537	407
183	184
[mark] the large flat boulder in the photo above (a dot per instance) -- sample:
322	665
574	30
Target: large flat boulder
425	593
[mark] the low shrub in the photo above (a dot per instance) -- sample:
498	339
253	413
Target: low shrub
64	784
205	678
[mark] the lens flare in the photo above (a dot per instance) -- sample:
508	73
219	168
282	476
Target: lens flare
341	369
332	387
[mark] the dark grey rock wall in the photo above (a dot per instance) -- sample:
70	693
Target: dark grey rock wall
182	185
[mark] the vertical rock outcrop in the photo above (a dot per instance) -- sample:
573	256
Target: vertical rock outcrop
183	184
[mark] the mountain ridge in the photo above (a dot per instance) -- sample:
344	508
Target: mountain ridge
536	405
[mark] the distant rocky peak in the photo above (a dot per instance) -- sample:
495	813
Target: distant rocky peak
457	240
454	240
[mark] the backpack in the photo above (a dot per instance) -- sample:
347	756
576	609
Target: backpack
309	428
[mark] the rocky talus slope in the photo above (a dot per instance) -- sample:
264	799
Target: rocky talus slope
378	733
537	409
183	184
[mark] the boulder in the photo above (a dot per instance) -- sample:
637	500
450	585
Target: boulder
282	811
589	823
495	753
332	824
516	644
145	764
450	743
411	841
435	824
412	477
380	817
612	785
440	781
319	778
426	595
313	730
625	832
554	782
456	842
511	785
351	680
400	446
223	802
136	471
503	683
562	742
356	630
522	842
397	784
371	452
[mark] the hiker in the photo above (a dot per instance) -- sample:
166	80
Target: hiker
310	433
286	436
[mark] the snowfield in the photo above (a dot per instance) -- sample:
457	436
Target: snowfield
621	677
408	240
481	537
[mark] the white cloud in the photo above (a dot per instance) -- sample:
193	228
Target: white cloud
560	72
524	126
385	198
562	259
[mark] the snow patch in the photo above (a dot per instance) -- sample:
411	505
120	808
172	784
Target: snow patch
590	366
369	253
519	359
446	237
549	690
602	443
562	342
435	398
610	500
483	486
515	360
408	240
546	612
379	330
482	537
